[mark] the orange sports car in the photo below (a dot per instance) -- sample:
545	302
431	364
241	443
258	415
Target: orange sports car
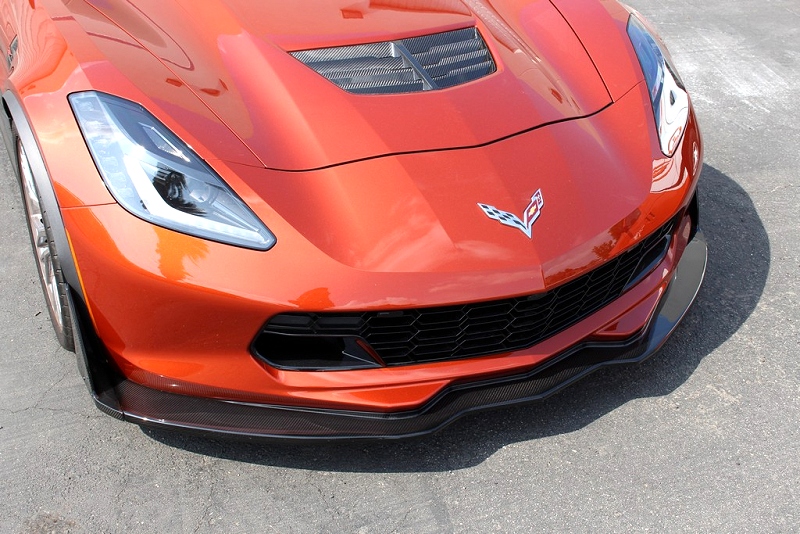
345	218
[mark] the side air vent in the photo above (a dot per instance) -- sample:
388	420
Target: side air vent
410	65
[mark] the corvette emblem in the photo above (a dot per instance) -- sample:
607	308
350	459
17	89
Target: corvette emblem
525	225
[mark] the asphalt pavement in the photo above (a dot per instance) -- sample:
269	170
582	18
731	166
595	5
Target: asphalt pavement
703	437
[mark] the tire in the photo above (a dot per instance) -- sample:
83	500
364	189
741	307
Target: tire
45	253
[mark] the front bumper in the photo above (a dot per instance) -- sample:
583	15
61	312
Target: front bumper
138	404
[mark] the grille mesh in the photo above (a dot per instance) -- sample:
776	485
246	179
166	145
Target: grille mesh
410	65
452	332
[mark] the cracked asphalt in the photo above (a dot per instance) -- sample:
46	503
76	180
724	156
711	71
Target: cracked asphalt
702	437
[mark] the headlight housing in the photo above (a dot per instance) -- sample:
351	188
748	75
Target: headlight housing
158	178
667	92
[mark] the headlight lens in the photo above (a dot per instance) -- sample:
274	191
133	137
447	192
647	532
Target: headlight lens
667	93
157	177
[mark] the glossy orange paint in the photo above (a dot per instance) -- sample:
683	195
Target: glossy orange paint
218	364
543	76
373	199
601	27
196	305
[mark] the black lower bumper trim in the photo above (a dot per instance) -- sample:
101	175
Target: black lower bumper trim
150	407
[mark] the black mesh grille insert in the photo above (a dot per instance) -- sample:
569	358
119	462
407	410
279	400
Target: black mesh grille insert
451	332
405	66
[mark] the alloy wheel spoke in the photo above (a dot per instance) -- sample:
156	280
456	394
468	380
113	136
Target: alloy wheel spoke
44	258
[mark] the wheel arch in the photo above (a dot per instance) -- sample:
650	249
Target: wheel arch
92	360
15	114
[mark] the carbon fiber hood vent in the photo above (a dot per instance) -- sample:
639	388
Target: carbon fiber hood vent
410	65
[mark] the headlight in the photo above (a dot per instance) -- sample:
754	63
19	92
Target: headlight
667	93
157	177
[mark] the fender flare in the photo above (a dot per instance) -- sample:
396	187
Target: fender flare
43	184
93	363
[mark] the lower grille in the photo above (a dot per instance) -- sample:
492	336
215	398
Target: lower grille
419	335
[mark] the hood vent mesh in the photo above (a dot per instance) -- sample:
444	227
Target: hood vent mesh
410	65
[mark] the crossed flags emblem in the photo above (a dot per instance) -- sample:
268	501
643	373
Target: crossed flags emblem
525	225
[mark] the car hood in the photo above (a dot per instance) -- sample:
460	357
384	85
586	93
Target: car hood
515	216
234	56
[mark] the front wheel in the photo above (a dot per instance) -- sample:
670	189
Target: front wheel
44	249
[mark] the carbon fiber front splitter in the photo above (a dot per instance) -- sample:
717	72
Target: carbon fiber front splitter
141	405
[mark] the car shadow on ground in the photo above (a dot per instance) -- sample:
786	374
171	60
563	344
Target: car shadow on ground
735	280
